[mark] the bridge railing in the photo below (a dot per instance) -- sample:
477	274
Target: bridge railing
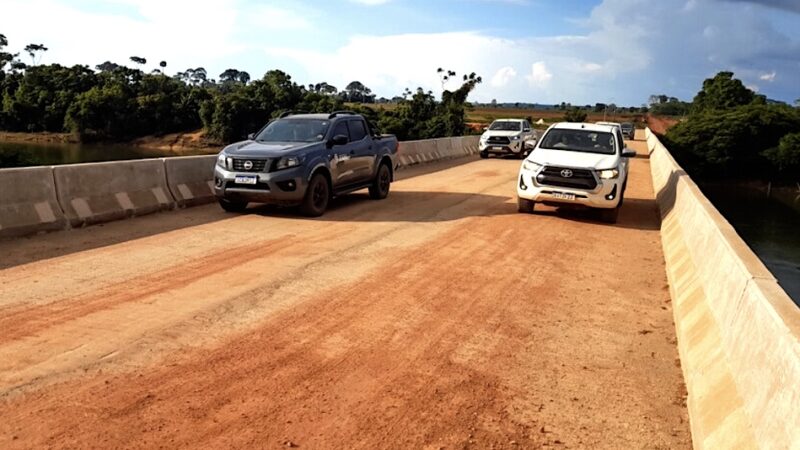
40	199
738	331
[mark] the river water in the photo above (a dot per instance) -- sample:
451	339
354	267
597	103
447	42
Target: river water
769	227
29	154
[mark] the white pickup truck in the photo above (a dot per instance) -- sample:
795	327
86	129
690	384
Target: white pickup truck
507	137
576	164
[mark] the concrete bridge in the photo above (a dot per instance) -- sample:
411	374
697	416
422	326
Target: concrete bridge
438	318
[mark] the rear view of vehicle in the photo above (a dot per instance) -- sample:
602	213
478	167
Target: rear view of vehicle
576	164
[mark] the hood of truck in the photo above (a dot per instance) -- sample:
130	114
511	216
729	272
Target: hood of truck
578	160
256	149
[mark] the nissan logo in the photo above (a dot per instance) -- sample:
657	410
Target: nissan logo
566	173
249	165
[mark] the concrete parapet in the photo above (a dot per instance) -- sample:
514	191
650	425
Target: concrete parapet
191	179
738	331
28	202
100	192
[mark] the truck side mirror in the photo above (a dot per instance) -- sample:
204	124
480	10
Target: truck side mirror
628	153
339	139
251	136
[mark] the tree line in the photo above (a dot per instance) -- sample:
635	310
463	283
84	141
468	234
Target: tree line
732	132
114	102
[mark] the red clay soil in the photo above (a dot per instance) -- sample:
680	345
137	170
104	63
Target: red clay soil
659	124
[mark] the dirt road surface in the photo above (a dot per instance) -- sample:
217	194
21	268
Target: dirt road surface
438	318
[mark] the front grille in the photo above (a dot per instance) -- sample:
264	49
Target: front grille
501	140
258	164
580	179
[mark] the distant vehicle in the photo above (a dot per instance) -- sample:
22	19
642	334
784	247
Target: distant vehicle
507	137
305	160
611	124
576	164
628	130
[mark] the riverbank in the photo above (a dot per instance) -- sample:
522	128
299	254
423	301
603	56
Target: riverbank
177	144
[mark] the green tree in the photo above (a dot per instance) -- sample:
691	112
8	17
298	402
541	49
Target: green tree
722	92
138	60
786	157
33	50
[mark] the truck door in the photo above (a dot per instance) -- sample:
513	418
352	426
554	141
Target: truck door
342	157
364	157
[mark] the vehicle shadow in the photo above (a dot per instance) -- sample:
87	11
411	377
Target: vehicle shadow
636	213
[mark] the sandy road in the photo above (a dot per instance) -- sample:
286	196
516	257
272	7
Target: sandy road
438	318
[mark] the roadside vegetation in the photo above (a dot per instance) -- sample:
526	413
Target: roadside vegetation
113	102
731	132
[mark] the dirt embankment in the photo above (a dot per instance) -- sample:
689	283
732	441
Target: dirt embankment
660	124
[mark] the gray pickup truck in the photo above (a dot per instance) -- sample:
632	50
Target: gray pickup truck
305	160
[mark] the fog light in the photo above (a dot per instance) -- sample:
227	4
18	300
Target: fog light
522	184
613	194
217	182
288	186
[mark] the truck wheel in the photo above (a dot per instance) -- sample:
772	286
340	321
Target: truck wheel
609	215
525	206
232	206
318	194
484	155
380	186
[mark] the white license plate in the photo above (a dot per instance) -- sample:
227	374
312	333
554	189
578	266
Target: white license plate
497	148
563	196
243	179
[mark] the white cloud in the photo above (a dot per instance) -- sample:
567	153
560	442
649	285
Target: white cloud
272	18
503	76
539	76
768	77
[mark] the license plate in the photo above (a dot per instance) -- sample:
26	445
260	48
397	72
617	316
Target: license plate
497	148
243	179
563	196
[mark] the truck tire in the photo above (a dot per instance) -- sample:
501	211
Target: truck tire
379	189
318	194
609	215
232	206
525	206
484	155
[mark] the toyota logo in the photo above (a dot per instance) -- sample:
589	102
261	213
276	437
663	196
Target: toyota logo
566	173
249	165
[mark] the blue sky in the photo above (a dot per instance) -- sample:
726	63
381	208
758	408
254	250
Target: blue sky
546	51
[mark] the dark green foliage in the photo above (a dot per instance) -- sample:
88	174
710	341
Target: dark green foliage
723	92
575	114
787	155
736	142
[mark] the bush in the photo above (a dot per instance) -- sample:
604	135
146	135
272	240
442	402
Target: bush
575	115
787	155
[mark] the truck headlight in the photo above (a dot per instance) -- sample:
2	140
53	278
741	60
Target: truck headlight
530	166
514	138
288	162
609	174
222	161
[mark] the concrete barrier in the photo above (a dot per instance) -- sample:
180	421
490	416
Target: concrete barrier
191	179
83	194
738	331
100	192
28	202
429	150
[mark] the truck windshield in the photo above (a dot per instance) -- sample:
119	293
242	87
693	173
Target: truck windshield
294	130
579	141
505	126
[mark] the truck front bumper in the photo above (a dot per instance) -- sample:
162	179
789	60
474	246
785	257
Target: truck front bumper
512	148
606	195
282	187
